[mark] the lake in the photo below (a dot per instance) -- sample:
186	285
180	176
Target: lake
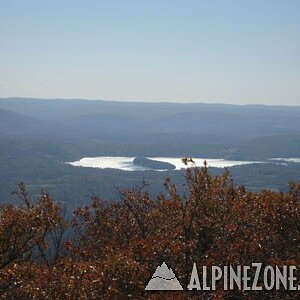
126	163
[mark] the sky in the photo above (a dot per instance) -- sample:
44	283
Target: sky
213	51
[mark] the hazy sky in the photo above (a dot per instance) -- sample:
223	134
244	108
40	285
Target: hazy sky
230	51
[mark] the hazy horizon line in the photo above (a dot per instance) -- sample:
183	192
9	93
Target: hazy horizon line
147	101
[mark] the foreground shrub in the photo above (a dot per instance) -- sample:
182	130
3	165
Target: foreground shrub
116	247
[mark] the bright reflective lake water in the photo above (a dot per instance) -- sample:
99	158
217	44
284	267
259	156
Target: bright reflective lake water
126	163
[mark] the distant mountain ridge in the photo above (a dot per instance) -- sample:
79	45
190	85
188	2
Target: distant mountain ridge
37	136
154	129
88	118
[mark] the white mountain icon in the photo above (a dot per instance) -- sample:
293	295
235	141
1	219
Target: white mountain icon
163	279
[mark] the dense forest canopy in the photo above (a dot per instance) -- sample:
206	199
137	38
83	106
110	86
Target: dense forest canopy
110	250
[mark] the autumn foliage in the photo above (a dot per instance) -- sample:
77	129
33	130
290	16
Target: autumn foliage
110	250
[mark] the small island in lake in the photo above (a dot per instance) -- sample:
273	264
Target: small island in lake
152	164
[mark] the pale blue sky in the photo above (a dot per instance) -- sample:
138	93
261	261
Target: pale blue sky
230	51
